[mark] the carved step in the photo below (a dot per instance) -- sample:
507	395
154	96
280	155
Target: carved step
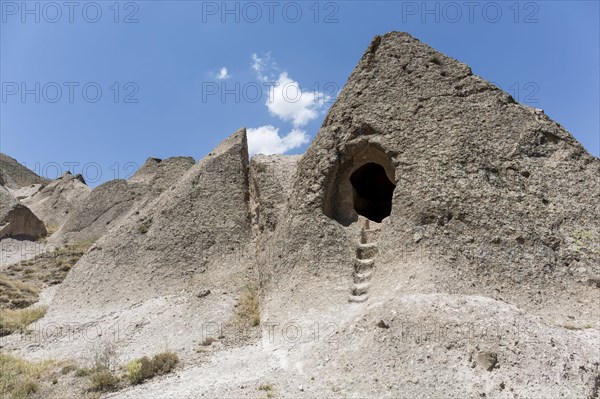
369	236
360	289
363	265
358	298
366	251
361	277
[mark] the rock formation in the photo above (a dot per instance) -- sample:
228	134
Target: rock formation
16	220
109	202
493	191
56	200
192	238
437	239
13	175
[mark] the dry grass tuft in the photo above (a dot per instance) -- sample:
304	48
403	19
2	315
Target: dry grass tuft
21	283
51	228
144	368
248	310
20	378
17	294
103	381
17	320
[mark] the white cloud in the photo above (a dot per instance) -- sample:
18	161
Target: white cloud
286	101
257	63
223	74
266	140
289	102
265	67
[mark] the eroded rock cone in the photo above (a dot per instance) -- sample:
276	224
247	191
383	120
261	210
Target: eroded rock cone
110	202
481	180
16	220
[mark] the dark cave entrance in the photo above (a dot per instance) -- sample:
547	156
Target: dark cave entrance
372	192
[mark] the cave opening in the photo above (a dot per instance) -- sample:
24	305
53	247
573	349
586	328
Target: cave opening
372	192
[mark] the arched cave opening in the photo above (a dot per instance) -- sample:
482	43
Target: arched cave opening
372	192
361	182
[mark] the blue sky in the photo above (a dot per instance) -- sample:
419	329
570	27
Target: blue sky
177	77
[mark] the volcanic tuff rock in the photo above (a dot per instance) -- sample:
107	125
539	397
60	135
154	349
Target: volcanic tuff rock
16	219
56	200
492	199
495	192
108	203
482	281
271	180
13	175
194	236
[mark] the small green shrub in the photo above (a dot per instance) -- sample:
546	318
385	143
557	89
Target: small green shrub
165	362
145	226
144	368
103	381
134	371
147	368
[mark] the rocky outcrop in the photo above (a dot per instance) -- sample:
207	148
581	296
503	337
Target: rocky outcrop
271	182
13	175
108	203
492	199
56	200
476	175
16	220
194	237
480	281
271	178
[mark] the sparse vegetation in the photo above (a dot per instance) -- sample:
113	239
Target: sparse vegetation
51	228
17	294
570	326
103	381
165	362
134	371
144	368
573	327
68	368
20	378
265	387
17	320
248	310
105	356
22	282
83	372
145	226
